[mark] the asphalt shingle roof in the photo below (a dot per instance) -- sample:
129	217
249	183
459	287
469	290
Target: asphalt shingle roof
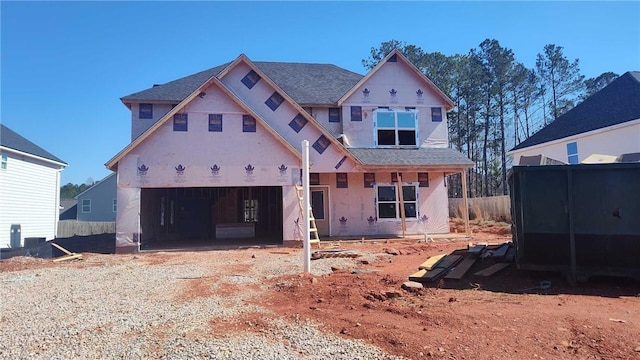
616	103
410	157
317	84
12	140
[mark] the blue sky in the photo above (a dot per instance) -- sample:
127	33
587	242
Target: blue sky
65	65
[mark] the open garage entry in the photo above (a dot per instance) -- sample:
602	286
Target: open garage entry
217	216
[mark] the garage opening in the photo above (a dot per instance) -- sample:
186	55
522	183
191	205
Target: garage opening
211	216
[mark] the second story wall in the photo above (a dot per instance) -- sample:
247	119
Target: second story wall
396	86
146	114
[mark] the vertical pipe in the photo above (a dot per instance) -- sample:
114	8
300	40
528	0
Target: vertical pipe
401	198
306	240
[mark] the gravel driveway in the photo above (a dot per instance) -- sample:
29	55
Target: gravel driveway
141	307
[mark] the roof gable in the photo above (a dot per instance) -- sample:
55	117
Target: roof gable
213	81
616	103
394	56
107	179
12	140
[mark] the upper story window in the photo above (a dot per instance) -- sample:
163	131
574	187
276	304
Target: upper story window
334	114
388	201
3	162
180	122
572	152
298	123
436	114
248	123
395	127
86	205
114	205
215	122
356	113
274	101
145	111
251	79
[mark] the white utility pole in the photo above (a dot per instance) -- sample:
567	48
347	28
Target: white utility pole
306	240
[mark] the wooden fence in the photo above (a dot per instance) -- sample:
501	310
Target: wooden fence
497	208
69	228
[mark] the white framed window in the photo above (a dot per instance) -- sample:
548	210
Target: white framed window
114	205
3	162
388	201
572	153
86	205
395	128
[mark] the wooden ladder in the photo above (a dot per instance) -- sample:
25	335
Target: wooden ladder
313	229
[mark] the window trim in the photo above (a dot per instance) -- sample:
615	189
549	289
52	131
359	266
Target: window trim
396	129
82	206
396	201
572	155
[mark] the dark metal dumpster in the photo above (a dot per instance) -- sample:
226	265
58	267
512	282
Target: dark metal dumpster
582	220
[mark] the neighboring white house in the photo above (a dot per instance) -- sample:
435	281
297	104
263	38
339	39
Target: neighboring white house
606	123
98	203
29	190
217	155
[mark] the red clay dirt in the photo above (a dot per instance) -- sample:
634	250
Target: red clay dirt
472	318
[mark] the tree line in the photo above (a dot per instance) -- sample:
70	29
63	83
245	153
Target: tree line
69	191
499	102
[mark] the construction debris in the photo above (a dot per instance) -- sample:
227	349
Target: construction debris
70	255
456	265
320	254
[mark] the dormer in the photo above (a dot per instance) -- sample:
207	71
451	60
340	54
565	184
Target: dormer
395	106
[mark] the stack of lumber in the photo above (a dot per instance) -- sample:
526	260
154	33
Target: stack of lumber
456	265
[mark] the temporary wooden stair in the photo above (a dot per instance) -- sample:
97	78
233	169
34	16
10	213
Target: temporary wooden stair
313	229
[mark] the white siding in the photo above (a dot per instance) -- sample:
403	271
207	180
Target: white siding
614	140
29	196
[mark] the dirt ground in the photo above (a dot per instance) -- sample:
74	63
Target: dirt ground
497	317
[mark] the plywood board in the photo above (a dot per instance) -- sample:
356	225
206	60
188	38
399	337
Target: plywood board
436	272
431	262
501	251
461	269
427	276
492	269
448	261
